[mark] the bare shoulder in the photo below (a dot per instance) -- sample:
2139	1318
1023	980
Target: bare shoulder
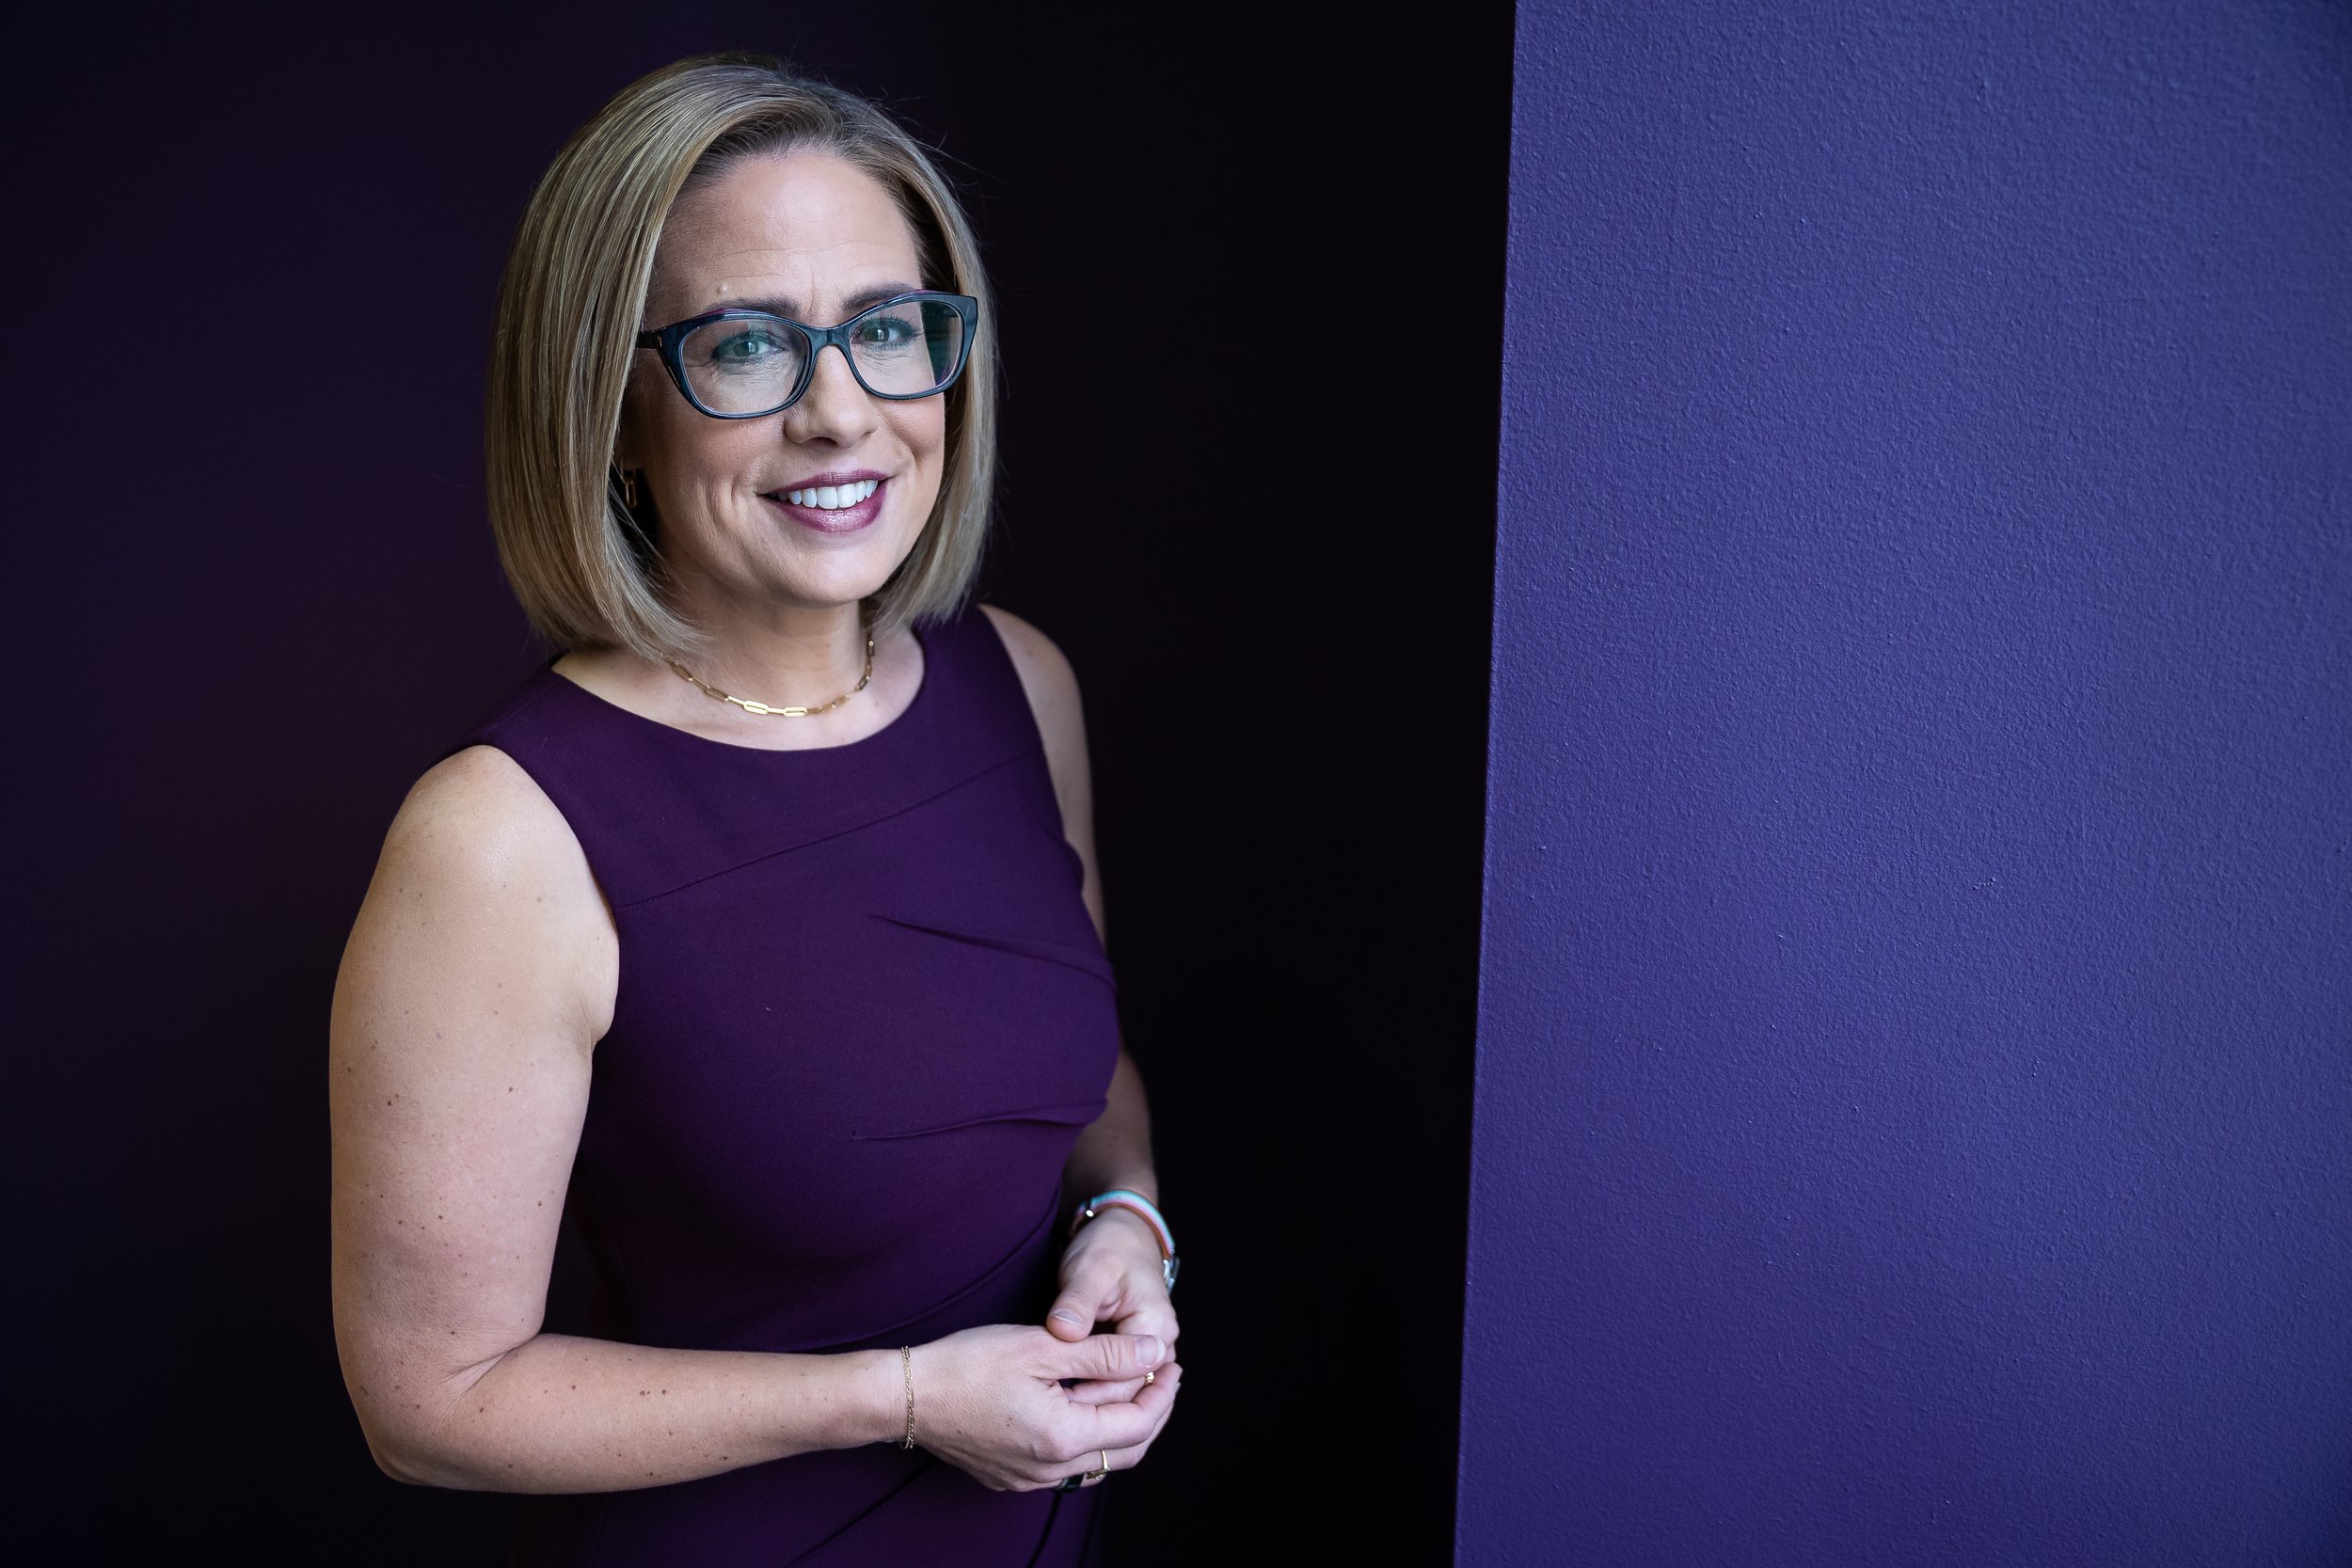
477	825
476	799
1044	668
479	861
1052	687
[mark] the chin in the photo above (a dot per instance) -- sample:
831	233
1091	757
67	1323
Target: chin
841	582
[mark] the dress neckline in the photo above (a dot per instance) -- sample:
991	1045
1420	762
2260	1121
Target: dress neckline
863	743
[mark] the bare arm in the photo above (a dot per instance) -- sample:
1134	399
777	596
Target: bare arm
479	976
1114	1150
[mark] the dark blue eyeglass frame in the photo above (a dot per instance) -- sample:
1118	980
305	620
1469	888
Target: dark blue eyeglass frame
667	340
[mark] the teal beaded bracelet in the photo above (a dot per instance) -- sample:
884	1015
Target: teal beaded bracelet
1124	1198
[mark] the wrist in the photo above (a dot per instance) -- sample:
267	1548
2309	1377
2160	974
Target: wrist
1126	1224
878	1407
1126	1200
1074	1191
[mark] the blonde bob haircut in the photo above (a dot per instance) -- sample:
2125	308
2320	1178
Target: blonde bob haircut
588	572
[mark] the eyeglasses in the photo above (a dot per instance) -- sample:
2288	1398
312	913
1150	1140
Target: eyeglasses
745	364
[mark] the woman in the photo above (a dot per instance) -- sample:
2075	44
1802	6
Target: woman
765	918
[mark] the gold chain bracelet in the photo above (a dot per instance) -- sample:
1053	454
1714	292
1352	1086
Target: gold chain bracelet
906	1357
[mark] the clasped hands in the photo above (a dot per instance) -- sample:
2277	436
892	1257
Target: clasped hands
1019	1410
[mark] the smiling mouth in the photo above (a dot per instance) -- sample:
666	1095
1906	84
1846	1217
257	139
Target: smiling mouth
832	497
848	507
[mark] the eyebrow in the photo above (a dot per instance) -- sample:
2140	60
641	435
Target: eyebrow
790	311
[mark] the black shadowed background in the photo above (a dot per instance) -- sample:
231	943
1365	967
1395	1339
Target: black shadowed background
254	266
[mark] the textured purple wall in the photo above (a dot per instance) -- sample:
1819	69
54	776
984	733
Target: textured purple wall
1914	1083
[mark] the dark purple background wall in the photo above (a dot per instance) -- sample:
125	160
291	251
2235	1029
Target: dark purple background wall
1914	1088
252	592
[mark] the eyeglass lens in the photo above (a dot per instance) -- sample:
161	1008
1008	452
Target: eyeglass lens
905	349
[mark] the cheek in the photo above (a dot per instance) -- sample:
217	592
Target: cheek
699	452
922	426
922	429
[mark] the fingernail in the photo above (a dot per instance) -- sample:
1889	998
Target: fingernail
1149	1350
1066	1315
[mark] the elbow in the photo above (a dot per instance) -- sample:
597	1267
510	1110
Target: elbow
422	1463
416	1452
393	1447
418	1430
392	1454
388	1460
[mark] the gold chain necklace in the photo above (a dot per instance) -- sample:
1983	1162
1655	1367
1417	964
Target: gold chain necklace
750	706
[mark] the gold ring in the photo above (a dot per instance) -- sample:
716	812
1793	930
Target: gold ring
1098	1475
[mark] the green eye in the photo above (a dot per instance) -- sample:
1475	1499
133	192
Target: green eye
746	348
887	332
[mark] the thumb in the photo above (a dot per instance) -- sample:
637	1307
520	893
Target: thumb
1071	1316
1113	1356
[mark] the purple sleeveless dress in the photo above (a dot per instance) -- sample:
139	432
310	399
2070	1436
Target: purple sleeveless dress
863	1016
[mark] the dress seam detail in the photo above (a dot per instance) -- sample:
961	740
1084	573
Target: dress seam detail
827	838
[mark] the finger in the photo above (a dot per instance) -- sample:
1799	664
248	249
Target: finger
1082	1303
1113	1390
1156	1319
1104	1390
1100	1463
1124	1426
1160	1394
1071	1316
1119	1459
1116	1356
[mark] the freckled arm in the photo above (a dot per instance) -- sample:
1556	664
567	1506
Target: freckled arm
458	1063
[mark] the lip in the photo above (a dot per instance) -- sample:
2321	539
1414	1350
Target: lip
835	476
848	520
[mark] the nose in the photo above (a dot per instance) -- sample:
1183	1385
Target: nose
835	408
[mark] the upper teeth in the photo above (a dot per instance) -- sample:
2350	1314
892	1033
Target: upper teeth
832	497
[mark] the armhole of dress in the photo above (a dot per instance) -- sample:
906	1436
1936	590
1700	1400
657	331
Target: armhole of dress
487	734
1058	828
1001	653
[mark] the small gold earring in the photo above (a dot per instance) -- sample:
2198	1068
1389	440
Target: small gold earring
628	488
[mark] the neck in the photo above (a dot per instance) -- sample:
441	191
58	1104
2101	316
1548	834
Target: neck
783	653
